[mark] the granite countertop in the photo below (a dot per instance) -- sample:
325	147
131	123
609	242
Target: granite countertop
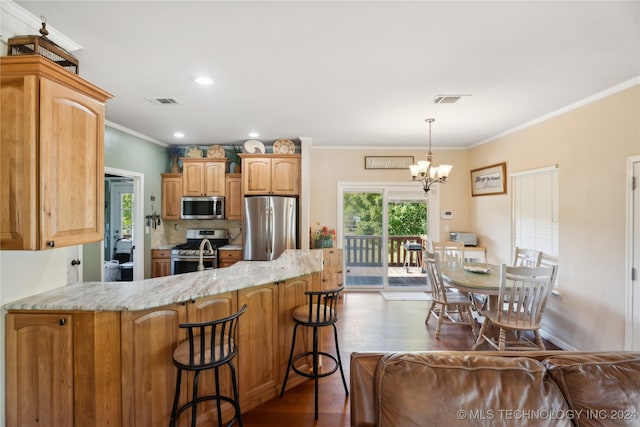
163	247
161	291
230	248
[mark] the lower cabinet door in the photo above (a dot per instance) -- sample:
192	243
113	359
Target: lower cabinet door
291	295
258	347
149	339
39	369
203	310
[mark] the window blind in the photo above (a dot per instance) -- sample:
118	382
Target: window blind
535	210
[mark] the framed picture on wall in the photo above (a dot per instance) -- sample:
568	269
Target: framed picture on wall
489	180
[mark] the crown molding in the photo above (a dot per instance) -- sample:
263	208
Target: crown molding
17	21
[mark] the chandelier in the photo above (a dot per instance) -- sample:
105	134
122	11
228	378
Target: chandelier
426	172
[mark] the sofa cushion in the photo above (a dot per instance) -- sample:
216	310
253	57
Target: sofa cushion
602	389
446	389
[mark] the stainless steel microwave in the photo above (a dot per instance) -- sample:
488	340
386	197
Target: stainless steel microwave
207	207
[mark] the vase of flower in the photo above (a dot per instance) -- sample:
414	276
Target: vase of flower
323	243
324	237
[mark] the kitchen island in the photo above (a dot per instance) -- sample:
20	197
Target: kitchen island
100	353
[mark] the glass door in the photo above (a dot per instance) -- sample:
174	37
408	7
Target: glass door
382	231
407	233
362	241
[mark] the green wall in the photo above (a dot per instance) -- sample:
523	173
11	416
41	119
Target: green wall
128	152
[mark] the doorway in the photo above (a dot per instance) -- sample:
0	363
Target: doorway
382	229
632	311
124	217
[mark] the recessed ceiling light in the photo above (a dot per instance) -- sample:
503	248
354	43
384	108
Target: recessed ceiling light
178	135
253	134
203	80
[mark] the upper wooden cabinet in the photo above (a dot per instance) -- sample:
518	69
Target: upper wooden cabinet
271	174
51	154
233	197
203	177
171	195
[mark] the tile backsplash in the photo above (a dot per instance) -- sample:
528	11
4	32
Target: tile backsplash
166	234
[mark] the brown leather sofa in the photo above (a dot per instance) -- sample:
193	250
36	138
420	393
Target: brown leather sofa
550	388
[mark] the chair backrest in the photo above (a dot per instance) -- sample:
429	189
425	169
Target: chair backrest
217	337
524	292
550	261
449	252
322	306
526	257
438	290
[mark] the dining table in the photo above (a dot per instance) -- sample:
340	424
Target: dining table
475	278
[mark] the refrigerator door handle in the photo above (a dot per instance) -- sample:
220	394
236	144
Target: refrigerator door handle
270	229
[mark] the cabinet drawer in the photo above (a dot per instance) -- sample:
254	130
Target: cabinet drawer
161	253
233	255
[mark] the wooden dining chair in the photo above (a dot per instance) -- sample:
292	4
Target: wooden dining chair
446	305
523	295
449	252
526	257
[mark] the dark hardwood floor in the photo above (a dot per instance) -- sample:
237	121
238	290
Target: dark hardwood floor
367	322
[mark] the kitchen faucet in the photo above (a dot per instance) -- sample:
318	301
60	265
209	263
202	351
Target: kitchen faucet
202	245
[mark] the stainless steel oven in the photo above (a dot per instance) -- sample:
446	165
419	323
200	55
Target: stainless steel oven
188	264
185	258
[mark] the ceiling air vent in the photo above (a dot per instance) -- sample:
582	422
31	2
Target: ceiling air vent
447	99
163	101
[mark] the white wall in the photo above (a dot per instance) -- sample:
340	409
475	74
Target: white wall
22	274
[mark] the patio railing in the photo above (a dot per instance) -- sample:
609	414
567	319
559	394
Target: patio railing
367	251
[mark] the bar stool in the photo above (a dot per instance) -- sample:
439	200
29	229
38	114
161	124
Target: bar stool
320	311
210	345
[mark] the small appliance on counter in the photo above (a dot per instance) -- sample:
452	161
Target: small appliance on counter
469	239
186	257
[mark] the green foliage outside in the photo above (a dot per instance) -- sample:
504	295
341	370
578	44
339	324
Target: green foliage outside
126	211
363	216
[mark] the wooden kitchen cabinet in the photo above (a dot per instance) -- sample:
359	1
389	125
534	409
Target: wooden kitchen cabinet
277	174
149	338
55	369
52	144
291	295
203	177
171	195
332	276
160	262
233	197
116	368
228	257
267	325
203	310
258	330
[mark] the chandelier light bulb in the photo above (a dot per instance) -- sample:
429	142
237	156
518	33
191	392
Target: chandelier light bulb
426	172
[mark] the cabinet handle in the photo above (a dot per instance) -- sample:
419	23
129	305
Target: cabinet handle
62	321
51	243
75	262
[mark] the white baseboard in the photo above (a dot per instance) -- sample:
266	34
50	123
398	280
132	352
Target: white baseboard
563	345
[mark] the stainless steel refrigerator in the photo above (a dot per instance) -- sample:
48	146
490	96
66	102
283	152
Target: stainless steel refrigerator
270	226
